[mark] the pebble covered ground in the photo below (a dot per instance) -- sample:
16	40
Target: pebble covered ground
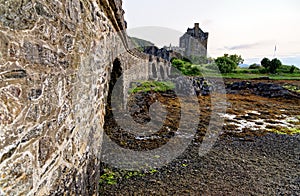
257	153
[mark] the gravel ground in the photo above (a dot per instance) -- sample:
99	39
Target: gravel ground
268	165
247	163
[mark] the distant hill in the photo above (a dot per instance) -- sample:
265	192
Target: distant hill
140	44
243	65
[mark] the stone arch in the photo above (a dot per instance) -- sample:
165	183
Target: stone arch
162	72
116	73
154	71
150	58
167	68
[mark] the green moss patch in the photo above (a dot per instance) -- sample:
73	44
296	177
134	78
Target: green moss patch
155	86
109	177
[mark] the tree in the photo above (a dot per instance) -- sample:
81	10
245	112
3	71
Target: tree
228	63
271	66
236	58
225	64
275	64
265	63
292	69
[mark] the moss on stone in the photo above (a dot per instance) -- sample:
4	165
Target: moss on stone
152	86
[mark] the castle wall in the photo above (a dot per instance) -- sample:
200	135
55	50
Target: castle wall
55	63
194	41
56	59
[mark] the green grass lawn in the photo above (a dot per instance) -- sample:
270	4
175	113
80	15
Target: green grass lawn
283	76
244	73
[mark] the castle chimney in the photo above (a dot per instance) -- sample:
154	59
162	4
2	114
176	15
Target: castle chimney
197	30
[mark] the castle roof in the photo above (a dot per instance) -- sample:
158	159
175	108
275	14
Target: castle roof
196	32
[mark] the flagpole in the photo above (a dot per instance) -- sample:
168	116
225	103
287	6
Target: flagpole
275	51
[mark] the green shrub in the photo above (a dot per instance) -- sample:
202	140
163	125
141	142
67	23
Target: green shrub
292	69
263	71
177	63
254	66
255	71
186	67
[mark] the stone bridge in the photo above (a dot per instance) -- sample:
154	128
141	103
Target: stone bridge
57	59
142	68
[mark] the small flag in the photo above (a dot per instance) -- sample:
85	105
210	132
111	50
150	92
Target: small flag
275	50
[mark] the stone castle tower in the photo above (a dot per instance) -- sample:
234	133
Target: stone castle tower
194	42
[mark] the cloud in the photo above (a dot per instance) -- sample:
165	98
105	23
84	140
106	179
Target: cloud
250	45
243	46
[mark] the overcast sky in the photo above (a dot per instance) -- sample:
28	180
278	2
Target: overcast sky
250	28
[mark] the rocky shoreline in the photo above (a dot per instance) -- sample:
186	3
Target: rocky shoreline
256	153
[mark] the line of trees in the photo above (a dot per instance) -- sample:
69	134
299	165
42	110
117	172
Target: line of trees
271	66
228	63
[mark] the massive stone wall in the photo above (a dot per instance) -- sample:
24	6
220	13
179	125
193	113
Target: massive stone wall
55	63
56	59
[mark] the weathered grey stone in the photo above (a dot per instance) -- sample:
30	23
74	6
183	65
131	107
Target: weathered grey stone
262	89
194	42
56	59
15	74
